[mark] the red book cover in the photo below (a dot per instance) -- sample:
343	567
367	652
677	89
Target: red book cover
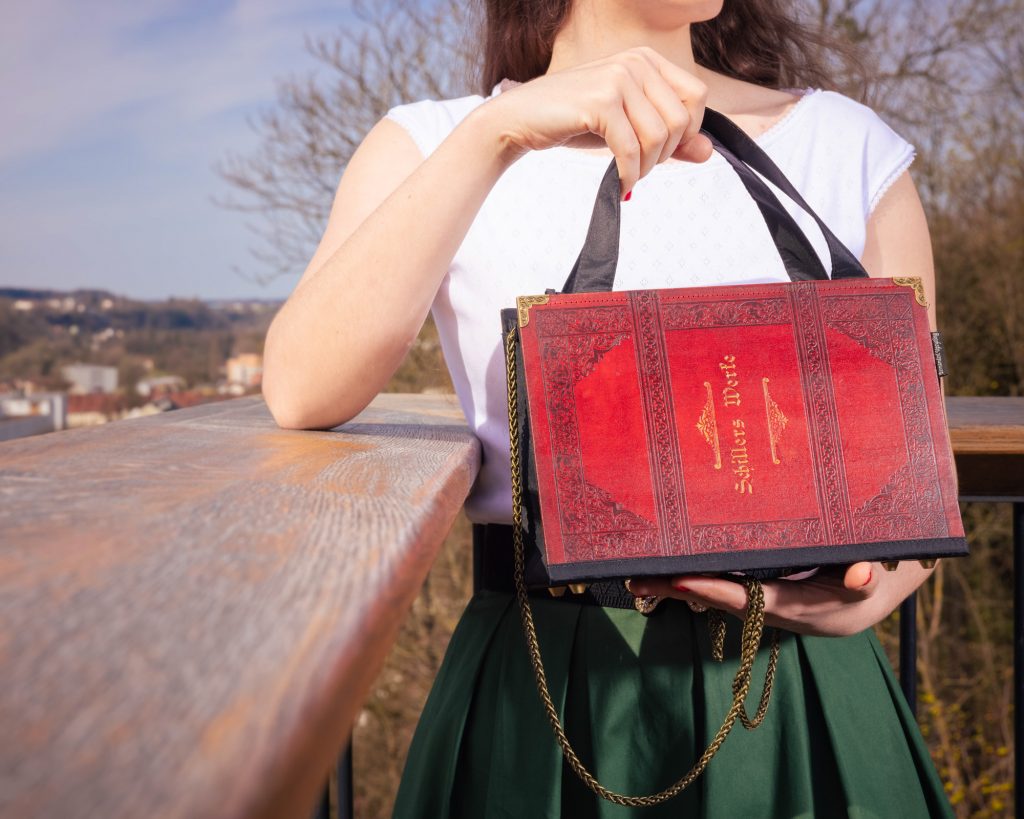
739	427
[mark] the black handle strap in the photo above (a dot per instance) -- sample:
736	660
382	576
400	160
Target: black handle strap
595	267
844	264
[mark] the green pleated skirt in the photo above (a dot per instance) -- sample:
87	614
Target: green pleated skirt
641	697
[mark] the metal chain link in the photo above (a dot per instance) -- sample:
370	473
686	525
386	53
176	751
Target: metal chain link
753	627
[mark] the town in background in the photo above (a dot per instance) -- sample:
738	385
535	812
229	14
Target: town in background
86	357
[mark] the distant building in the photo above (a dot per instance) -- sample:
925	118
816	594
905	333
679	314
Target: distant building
32	414
245	370
23	304
157	385
90	378
90	409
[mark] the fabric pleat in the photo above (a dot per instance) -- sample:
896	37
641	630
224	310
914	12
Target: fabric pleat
640	698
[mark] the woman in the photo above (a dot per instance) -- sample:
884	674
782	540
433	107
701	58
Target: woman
461	205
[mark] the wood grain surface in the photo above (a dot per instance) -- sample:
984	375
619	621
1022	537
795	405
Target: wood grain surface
990	426
194	605
988	441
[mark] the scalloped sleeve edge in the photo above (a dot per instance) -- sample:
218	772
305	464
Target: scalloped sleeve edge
906	158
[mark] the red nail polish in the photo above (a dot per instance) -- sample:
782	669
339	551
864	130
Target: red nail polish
870	573
628	196
680	587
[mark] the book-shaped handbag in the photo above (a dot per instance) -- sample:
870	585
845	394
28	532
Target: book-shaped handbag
748	428
731	428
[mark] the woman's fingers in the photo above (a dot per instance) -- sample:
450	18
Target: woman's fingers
698	149
657	121
829	603
642	106
664	123
674	115
690	90
713	592
623	141
679	98
860	577
652	132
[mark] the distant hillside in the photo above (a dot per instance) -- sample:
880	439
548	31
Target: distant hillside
39	295
41	330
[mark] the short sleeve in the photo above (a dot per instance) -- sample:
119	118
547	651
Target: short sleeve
878	154
422	121
429	122
887	156
849	151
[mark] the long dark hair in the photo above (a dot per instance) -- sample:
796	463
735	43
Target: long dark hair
759	41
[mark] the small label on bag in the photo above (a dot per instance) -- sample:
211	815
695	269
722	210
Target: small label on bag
939	350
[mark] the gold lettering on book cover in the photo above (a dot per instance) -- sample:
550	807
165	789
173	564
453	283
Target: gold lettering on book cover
776	421
739	459
708	425
730	392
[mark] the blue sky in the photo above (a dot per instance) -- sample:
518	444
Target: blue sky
114	114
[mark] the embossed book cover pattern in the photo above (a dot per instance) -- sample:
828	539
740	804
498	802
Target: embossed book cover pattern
682	422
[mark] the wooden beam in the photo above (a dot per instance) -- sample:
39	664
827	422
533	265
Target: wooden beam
987	435
986	426
194	605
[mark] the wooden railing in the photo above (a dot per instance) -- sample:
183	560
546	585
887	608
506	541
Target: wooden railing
193	606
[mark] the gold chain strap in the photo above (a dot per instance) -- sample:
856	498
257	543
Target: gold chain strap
753	627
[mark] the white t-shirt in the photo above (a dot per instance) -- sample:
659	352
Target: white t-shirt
686	225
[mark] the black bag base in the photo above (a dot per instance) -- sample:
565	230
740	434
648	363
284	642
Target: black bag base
761	564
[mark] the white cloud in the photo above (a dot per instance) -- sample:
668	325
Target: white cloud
114	113
70	71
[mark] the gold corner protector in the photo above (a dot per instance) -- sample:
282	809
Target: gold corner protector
524	303
917	285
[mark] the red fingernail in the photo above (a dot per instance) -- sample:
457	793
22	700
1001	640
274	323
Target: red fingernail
680	587
868	580
627	197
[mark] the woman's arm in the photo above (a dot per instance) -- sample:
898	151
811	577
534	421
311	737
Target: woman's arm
838	602
397	221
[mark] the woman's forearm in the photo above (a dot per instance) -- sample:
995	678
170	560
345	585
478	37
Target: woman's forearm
346	327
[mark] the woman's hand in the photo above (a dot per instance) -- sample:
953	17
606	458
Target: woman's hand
645	108
835	602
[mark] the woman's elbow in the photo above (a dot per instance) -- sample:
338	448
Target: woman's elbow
293	408
284	409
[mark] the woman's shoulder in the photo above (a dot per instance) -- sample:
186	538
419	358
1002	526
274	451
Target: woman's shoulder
429	121
845	114
847	140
